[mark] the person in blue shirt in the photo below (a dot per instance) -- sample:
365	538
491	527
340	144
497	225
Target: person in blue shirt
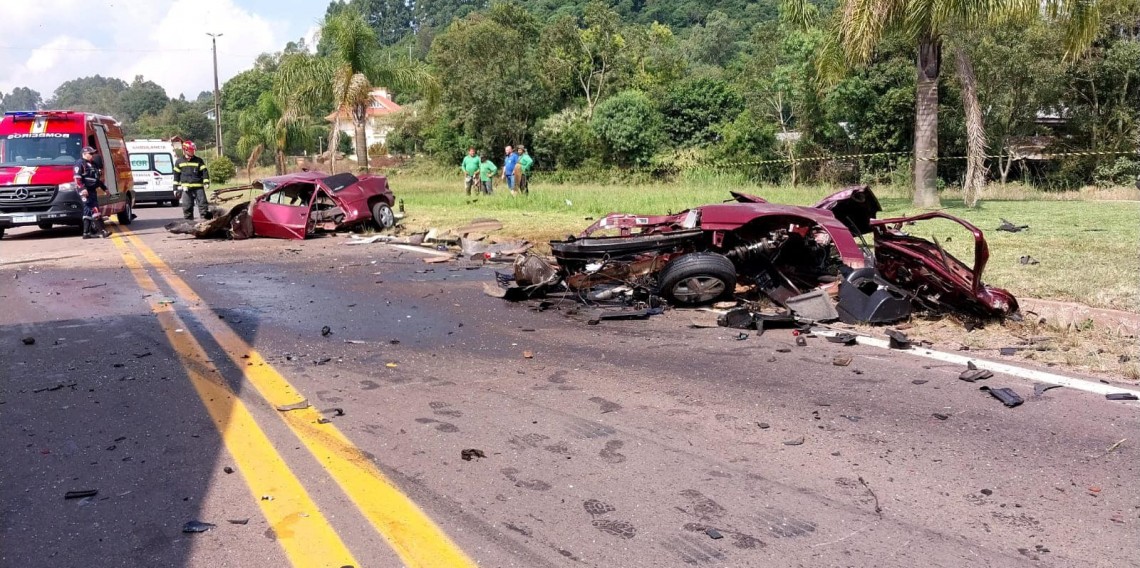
509	162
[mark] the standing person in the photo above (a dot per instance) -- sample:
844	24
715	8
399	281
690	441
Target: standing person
525	163
487	172
87	181
509	161
191	179
470	167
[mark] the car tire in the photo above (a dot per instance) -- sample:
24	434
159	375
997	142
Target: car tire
125	216
2	232
697	278
44	226
382	215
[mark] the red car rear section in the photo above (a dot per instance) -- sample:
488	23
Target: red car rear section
297	205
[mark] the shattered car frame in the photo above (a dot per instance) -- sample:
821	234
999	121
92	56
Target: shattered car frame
788	253
294	206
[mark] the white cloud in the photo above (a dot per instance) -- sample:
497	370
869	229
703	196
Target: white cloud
163	40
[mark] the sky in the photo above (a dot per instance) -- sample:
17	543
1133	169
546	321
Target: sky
48	42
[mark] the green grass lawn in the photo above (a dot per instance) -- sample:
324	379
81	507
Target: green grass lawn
1088	248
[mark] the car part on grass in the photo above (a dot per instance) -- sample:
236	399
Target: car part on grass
1010	227
1007	396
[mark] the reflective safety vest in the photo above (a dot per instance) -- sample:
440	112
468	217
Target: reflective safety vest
191	173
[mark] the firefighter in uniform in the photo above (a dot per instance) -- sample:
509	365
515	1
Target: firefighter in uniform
87	182
191	180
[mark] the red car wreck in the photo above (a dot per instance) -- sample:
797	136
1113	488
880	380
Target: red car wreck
800	257
295	206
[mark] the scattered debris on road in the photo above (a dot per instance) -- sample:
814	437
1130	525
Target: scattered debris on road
941	416
878	509
898	339
843	338
197	527
471	453
795	442
295	406
841	361
29	340
326	331
714	534
972	375
1040	388
81	494
228	469
1121	396
1006	395
239	521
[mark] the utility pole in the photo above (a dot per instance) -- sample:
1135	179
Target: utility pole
217	108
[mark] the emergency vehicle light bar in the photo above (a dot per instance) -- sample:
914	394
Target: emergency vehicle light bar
32	114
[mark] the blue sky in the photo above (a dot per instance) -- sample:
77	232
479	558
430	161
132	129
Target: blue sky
163	40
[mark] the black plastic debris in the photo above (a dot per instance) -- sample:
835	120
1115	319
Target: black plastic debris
971	365
796	442
737	318
295	406
741	336
1006	395
239	521
471	454
1028	260
1040	388
971	375
29	341
714	534
843	338
197	527
1121	396
919	382
1010	227
322	360
785	349
801	341
987	492
899	340
326	331
81	494
228	469
338	412
763	425
941	416
1007	351
866	297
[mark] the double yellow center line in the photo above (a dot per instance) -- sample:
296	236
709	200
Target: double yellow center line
306	535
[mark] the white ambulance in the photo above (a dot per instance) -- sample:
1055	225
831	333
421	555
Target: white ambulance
152	165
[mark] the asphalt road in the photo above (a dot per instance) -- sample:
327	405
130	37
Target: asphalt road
159	364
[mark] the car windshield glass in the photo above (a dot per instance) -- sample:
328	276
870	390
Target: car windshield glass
339	181
44	149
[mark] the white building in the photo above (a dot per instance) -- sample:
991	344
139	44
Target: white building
375	131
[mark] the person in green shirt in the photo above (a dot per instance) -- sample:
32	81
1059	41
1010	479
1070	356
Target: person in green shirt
470	169
522	171
486	174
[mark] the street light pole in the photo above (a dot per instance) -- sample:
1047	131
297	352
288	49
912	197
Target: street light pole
217	108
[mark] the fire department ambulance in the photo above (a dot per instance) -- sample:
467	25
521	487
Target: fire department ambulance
38	151
152	165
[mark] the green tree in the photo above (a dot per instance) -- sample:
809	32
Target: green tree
269	127
96	94
592	56
346	77
21	98
862	25
566	139
140	98
630	127
178	118
716	41
693	109
657	58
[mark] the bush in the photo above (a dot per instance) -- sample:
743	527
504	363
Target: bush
222	170
378	149
630	128
1118	172
566	140
693	108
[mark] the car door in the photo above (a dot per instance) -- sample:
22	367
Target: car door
284	212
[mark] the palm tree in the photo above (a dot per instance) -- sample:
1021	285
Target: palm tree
347	75
269	126
863	24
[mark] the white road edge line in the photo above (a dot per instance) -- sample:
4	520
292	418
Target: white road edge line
1004	368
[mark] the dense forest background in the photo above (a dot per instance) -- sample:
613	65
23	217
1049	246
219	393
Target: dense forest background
664	85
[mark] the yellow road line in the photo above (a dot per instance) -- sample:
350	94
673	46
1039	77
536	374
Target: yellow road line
302	530
410	532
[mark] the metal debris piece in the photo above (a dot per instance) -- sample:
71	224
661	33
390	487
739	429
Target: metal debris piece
843	338
785	349
81	494
975	375
197	527
472	453
737	318
295	406
1121	396
796	442
741	336
1007	396
899	340
1040	388
325	331
941	416
841	361
29	341
1029	260
816	305
714	534
1010	227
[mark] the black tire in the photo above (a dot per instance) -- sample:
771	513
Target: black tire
697	278
44	226
125	216
382	215
2	232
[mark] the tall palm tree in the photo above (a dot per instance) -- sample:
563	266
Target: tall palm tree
347	75
862	24
268	126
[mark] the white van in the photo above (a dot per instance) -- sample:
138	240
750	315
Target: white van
152	165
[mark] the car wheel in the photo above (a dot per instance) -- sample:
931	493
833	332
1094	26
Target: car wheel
382	215
125	216
44	226
697	278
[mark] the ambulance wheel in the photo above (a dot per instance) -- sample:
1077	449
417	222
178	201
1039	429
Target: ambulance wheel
125	216
44	226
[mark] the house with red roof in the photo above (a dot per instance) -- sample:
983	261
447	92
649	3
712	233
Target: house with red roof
375	129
